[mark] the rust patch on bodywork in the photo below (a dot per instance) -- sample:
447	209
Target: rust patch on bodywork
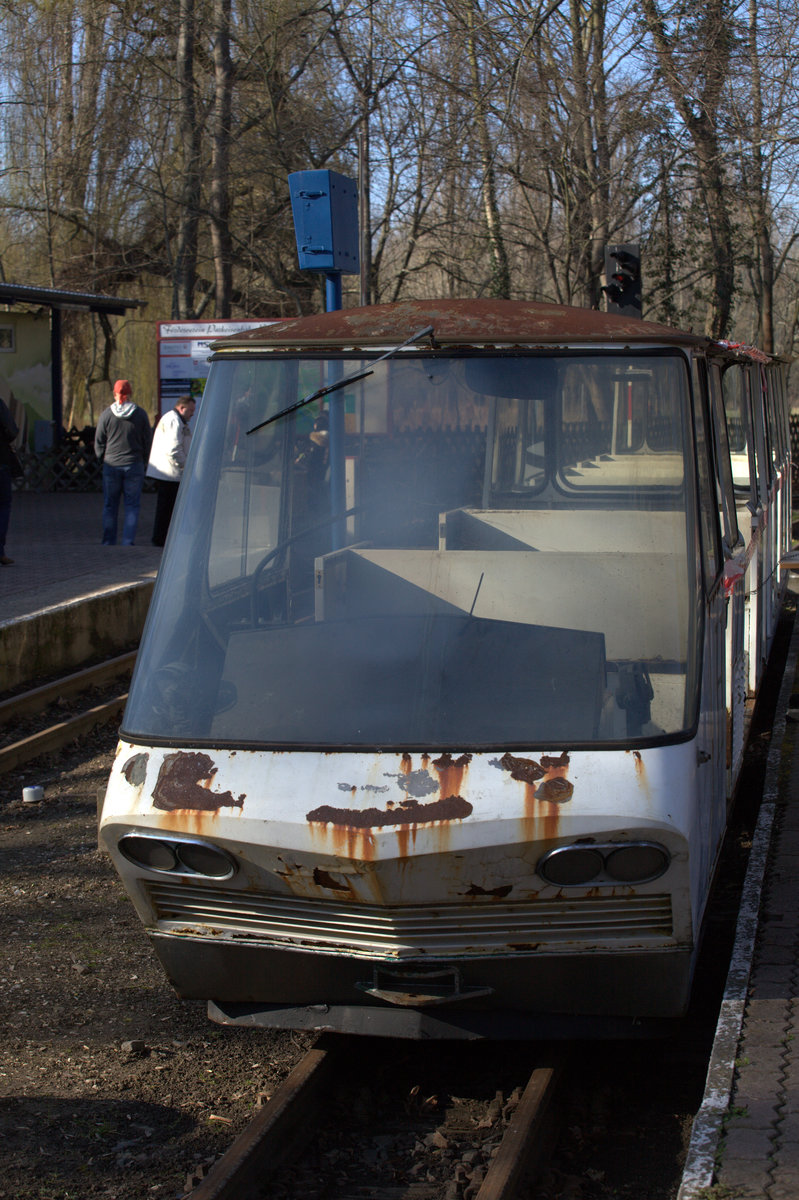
552	771
135	769
445	761
553	790
546	787
184	781
524	770
408	812
475	322
499	892
555	764
325	879
352	843
451	772
289	868
556	789
640	770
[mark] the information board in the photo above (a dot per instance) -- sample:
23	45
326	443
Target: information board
184	348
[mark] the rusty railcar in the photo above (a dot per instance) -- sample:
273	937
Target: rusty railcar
439	703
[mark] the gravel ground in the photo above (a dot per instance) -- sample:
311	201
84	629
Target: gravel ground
110	1086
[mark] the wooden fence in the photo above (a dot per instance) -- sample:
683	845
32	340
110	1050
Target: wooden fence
70	466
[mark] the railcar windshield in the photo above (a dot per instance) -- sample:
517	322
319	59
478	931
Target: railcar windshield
443	551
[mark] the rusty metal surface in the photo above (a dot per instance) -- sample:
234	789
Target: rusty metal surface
460	322
526	1142
409	812
277	1131
185	781
549	775
393	828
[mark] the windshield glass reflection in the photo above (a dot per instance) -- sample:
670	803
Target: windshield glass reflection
450	551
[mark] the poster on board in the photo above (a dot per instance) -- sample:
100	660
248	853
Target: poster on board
184	348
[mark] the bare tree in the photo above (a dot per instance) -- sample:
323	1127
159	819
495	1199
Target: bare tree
185	275
694	62
220	159
500	269
506	142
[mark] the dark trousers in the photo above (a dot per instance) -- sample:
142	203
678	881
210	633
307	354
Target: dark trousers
166	493
5	506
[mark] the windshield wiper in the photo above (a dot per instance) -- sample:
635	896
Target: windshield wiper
340	383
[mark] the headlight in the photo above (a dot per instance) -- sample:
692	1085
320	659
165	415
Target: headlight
571	865
203	859
634	864
151	853
176	856
612	862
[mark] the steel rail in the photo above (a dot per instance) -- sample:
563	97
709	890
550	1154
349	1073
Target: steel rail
37	699
61	733
278	1131
527	1140
57	736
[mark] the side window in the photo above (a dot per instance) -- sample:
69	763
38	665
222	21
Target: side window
736	407
760	382
708	494
723	460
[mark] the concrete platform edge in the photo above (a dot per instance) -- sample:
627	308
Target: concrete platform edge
700	1164
66	636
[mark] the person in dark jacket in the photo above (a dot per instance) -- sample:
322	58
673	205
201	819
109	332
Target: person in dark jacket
122	442
8	468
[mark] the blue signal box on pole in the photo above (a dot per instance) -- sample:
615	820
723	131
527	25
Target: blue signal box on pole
325	209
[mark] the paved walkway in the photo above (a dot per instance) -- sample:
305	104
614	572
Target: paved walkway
745	1140
54	539
760	1144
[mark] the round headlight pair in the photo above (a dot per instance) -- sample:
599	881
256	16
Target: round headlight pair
180	857
615	862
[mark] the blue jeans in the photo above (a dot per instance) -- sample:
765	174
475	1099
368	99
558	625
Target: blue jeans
125	483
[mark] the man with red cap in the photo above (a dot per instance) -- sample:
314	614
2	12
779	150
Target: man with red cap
122	441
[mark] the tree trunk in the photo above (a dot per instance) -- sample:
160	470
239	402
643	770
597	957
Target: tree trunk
760	213
589	82
185	275
500	271
220	159
699	113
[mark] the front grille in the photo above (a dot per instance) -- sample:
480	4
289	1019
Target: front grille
409	930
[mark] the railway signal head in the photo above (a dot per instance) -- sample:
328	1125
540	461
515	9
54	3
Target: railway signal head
623	273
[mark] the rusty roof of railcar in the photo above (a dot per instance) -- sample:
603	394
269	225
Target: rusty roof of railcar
459	322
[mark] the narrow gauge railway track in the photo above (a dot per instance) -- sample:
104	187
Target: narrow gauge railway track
506	1147
28	706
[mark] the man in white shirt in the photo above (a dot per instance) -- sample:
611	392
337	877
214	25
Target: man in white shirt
168	455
